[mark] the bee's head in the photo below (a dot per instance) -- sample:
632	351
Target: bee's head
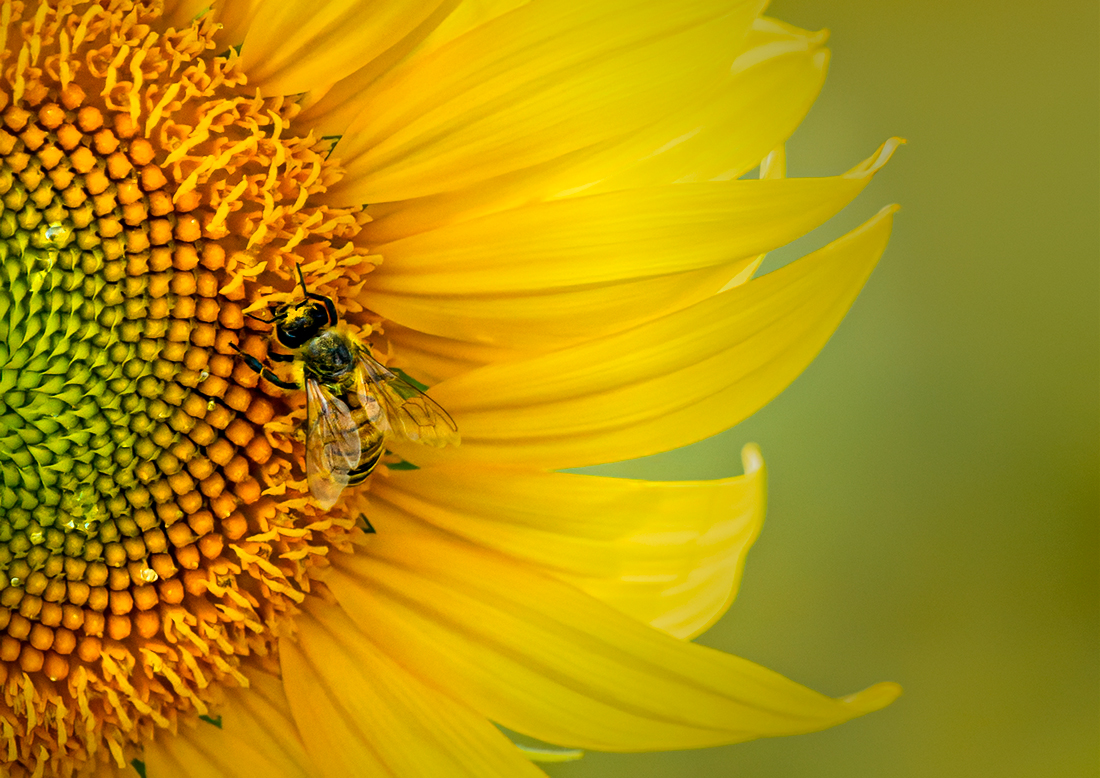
298	323
301	322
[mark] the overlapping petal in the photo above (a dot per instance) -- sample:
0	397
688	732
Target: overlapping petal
362	714
617	236
329	112
667	553
293	47
431	358
533	321
541	81
769	91
179	13
664	384
552	273
757	99
257	736
540	657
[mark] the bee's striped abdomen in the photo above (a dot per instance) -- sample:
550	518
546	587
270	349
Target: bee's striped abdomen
368	460
371	438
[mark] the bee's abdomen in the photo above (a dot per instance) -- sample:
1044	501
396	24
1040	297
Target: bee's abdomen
371	438
374	446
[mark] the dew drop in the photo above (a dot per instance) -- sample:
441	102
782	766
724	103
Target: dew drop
204	375
16	581
211	405
149	575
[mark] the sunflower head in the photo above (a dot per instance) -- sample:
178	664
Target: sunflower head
569	239
147	199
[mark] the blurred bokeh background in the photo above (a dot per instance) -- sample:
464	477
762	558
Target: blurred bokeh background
934	473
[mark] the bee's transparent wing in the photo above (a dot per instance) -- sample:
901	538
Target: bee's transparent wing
332	443
402	410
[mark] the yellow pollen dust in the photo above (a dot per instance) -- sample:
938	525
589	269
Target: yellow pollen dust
154	529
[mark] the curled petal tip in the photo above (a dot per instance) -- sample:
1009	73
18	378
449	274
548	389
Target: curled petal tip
874	697
551	755
751	458
873	164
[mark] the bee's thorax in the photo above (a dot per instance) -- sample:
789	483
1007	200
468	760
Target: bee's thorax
330	357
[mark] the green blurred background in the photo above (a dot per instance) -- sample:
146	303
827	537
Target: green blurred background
934	473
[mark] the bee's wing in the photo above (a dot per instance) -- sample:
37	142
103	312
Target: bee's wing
402	410
332	443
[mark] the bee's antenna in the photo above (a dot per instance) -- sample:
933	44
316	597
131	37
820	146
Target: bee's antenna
330	307
302	278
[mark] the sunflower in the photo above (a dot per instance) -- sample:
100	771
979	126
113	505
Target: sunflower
538	209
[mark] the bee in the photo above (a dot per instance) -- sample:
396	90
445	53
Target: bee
354	404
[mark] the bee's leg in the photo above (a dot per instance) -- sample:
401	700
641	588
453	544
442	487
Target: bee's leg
265	372
269	374
272	320
276	357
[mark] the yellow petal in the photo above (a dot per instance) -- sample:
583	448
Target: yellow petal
531	85
624	235
260	715
723	139
664	384
666	553
544	276
767	30
235	19
552	319
431	358
542	658
179	13
468	15
294	45
257	737
333	111
745	115
172	756
550	755
363	714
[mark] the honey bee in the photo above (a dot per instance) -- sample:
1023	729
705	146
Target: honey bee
354	404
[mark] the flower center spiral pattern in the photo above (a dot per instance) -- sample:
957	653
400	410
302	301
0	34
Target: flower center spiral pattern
147	200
